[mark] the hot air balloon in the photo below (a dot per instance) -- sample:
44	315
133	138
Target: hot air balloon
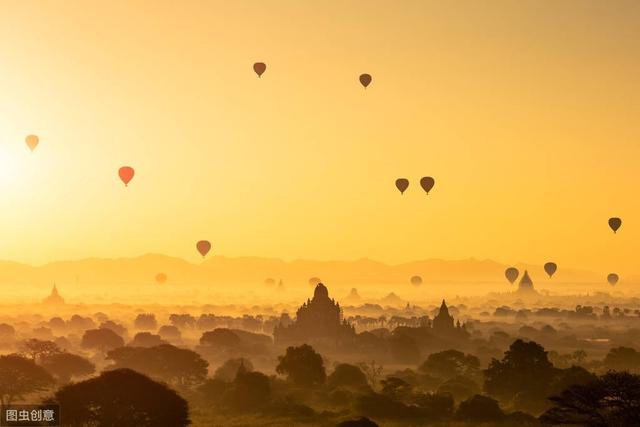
612	279
32	141
615	223
161	278
365	80
426	182
126	174
416	280
550	268
511	274
402	184
314	281
203	247
259	68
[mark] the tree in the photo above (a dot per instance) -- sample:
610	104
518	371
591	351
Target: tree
302	365
478	409
623	359
35	348
229	369
146	339
611	400
460	388
221	338
360	422
121	398
396	388
101	339
115	327
19	377
182	321
177	366
66	365
7	332
169	332
524	368
146	321
451	363
250	391
349	376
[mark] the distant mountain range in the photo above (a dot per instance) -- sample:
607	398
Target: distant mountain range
221	269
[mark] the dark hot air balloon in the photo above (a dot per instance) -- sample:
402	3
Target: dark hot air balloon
126	174
615	223
550	268
402	184
416	280
427	183
161	278
203	247
365	80
612	279
32	141
259	68
511	274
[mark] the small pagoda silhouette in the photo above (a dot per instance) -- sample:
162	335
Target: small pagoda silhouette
54	298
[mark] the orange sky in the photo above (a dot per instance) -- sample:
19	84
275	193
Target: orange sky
525	112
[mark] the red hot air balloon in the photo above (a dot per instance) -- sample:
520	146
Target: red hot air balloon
615	223
365	80
550	268
427	183
32	142
612	279
126	174
511	274
402	184
203	247
259	68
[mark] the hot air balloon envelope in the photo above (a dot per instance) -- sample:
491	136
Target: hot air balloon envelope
550	268
314	281
427	183
402	184
416	280
161	278
615	223
126	174
511	274
203	247
612	279
259	68
32	141
365	80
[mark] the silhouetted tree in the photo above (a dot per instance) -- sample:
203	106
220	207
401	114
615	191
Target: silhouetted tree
146	321
174	365
169	332
101	340
565	378
121	398
349	376
146	339
623	359
396	388
451	363
19	377
478	409
182	321
249	391
229	370
372	371
524	367
221	338
611	400
360	422
80	323
7	332
66	365
460	388
36	349
115	327
302	365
